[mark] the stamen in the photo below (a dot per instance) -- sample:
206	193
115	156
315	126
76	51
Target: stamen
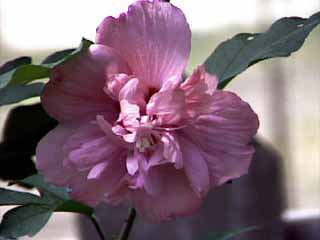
143	144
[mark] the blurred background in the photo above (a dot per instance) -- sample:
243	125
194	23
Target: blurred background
284	93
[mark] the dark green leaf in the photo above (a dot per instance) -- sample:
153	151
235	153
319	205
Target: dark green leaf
231	234
24	74
16	93
6	238
72	206
25	220
40	183
29	218
8	66
58	56
84	45
284	37
9	197
20	72
57	196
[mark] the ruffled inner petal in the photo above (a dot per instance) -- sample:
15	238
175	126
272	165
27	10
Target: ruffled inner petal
168	107
199	89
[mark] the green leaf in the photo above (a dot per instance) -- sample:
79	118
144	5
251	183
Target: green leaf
23	75
58	197
8	66
9	197
25	220
13	94
57	56
61	57
43	186
75	207
35	211
21	72
234	56
231	234
7	69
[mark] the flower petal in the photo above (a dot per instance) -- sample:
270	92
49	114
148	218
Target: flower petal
195	167
175	199
88	147
132	164
171	149
97	170
50	155
153	37
198	89
115	83
133	92
157	157
152	181
75	90
224	136
129	115
168	107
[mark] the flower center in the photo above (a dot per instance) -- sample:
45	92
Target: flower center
144	143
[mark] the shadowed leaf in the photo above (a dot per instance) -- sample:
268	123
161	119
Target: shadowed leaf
34	212
75	207
17	93
42	185
25	220
10	197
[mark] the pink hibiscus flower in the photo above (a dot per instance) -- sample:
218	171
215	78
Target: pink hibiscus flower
132	130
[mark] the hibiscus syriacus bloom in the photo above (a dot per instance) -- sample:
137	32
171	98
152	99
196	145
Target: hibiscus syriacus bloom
130	129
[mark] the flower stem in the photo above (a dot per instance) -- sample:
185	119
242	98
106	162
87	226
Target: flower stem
127	226
97	226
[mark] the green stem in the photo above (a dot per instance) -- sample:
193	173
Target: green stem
97	226
126	229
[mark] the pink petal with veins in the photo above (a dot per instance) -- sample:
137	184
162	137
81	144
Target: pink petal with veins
153	37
